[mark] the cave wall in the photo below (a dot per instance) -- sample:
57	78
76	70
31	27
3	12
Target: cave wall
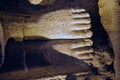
110	13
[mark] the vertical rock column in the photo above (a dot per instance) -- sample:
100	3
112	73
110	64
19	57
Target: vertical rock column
109	11
1	45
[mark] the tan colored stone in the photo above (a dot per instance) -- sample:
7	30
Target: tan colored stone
77	49
61	24
110	13
41	2
31	29
13	28
35	1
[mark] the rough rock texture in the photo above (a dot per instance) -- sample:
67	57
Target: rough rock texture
106	18
13	27
110	13
59	24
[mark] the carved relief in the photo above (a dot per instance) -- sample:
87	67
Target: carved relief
65	33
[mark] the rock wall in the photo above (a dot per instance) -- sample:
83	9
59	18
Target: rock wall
110	13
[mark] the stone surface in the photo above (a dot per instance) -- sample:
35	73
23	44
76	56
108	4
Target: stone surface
110	13
60	24
98	30
35	2
41	2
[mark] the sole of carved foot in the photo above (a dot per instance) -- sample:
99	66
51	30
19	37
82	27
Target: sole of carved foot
61	24
80	49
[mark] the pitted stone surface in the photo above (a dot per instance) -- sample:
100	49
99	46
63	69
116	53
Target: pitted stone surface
92	22
60	24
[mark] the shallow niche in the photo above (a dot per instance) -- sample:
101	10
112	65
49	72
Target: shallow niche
63	37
